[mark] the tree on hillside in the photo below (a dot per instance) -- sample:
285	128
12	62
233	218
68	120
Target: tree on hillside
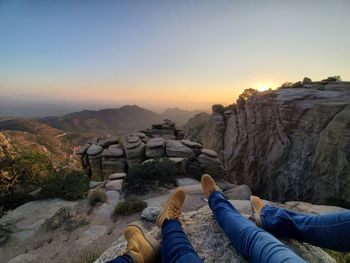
21	175
247	93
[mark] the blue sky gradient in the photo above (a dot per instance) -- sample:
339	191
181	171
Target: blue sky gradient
168	53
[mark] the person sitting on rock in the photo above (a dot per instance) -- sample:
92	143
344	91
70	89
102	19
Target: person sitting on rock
254	243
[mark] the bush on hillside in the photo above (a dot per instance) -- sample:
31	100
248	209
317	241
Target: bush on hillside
129	206
159	172
20	175
66	184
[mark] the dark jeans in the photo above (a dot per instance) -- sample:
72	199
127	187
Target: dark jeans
326	230
249	240
175	246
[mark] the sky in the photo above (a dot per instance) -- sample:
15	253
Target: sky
160	54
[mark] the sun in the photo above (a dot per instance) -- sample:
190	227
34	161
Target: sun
263	88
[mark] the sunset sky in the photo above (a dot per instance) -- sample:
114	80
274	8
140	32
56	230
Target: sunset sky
159	54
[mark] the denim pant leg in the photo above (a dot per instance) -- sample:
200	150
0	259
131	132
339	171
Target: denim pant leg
331	230
121	259
251	241
175	246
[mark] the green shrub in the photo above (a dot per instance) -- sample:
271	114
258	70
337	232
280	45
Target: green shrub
66	184
129	206
97	195
159	172
20	175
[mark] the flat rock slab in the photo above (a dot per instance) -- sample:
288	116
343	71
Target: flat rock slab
210	153
94	149
25	258
94	184
155	142
28	218
113	197
92	234
115	185
186	181
238	192
117	176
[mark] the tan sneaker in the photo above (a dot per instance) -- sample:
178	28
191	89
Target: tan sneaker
173	206
257	204
140	248
208	185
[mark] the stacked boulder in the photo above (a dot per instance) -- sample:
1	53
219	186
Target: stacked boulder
155	148
103	157
113	160
166	130
134	148
211	163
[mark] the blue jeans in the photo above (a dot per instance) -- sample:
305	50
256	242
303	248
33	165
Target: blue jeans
326	230
175	246
249	240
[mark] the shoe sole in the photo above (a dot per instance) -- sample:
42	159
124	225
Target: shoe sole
153	242
166	207
255	212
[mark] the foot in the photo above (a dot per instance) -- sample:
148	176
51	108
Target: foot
208	185
140	248
257	204
173	206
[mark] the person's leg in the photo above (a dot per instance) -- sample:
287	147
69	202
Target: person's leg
175	246
251	241
122	259
326	230
140	249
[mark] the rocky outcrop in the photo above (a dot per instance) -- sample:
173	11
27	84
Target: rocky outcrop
166	130
193	128
211	243
213	133
136	148
288	144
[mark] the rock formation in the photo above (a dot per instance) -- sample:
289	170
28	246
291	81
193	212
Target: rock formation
193	128
102	157
288	144
166	130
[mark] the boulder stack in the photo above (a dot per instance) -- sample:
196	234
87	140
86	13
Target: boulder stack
113	160
155	148
134	149
94	157
211	164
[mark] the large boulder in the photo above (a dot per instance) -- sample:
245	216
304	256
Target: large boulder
155	148
113	160
211	243
293	145
94	156
194	127
134	149
177	149
213	133
211	164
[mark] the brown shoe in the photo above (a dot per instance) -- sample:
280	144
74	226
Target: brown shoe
257	204
173	206
208	185
140	248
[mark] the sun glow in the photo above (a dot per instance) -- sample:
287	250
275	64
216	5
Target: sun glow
263	87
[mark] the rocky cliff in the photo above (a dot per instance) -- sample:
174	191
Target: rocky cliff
287	144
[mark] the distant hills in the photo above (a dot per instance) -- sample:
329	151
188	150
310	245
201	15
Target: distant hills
129	118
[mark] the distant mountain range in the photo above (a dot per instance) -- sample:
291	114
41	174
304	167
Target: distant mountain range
129	118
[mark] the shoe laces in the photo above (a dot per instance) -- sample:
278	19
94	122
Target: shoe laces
174	211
